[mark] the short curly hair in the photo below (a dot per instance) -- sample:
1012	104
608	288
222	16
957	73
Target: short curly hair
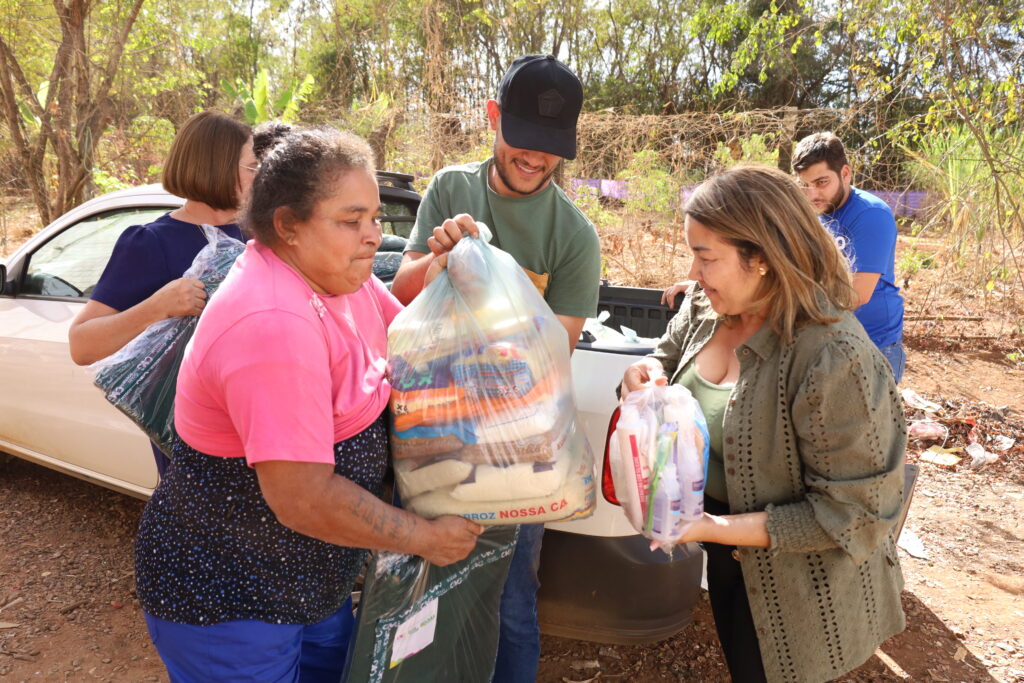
298	173
266	135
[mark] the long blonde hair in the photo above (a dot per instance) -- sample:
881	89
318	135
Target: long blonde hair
762	212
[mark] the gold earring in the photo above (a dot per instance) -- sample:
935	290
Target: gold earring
762	271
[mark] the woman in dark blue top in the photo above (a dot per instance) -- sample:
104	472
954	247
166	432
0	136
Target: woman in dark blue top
211	164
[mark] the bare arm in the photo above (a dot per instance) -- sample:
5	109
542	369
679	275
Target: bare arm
99	330
409	280
573	326
413	273
747	529
864	286
310	499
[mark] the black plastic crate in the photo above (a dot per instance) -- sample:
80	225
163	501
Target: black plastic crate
637	308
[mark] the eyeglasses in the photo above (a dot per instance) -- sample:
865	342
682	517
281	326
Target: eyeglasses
254	169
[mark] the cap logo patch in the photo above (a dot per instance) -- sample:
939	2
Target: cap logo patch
550	103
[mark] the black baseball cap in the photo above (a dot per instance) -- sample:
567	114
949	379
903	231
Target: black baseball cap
540	100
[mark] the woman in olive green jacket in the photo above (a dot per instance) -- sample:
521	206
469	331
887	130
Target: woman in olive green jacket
806	432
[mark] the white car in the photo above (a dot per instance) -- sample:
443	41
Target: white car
599	580
50	412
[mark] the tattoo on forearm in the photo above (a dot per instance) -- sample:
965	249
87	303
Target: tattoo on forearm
383	520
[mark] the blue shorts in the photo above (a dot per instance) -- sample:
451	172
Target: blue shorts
254	650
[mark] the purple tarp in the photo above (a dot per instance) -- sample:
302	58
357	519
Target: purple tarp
906	203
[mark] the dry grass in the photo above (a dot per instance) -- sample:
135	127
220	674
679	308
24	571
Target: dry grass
643	251
19	220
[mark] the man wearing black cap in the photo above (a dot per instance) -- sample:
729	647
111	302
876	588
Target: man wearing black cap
534	124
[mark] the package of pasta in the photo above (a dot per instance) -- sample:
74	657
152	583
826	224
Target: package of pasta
484	420
426	624
658	457
140	379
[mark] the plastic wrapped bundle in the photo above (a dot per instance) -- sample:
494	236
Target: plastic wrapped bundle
388	257
484	420
658	457
140	379
386	263
421	623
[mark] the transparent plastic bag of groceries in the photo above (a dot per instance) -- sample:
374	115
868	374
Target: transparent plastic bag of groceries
484	421
658	455
426	624
140	378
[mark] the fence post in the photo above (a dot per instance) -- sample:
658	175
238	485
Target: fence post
786	135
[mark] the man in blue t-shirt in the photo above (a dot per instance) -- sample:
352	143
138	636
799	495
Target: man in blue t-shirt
866	230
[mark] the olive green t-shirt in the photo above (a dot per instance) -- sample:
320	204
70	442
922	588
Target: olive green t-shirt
545	233
712	399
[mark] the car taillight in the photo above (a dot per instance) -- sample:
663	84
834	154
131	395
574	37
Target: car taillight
607	484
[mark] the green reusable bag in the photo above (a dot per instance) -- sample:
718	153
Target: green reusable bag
421	623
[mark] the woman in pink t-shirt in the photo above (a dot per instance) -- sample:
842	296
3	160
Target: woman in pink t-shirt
252	541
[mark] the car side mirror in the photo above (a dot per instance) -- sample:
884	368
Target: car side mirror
3	278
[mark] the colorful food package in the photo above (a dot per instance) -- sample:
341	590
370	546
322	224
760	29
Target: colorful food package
658	457
484	420
141	378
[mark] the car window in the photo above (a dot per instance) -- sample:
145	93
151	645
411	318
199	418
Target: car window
395	208
397	225
70	264
396	218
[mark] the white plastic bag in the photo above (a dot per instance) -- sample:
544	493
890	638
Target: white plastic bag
658	457
606	336
483	416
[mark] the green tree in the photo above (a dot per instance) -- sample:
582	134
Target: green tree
258	105
65	112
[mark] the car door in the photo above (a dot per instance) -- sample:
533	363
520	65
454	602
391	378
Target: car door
50	411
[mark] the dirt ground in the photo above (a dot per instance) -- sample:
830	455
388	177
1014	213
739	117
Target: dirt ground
68	611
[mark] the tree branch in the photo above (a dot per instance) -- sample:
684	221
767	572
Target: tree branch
110	71
31	159
13	68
